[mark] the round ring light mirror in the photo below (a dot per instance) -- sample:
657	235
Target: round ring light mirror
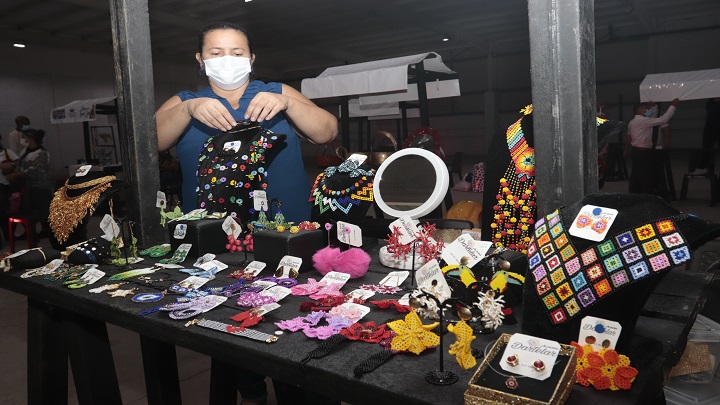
411	182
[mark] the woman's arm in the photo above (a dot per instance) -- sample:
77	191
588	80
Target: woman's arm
174	116
310	120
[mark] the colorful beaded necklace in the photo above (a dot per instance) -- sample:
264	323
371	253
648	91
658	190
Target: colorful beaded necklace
326	198
515	208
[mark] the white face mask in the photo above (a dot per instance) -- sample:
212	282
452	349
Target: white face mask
228	72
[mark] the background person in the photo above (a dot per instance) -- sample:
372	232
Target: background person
639	143
16	141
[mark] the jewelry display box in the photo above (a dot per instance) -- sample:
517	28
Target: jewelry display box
206	236
489	387
271	246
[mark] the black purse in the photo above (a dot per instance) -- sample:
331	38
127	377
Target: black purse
232	165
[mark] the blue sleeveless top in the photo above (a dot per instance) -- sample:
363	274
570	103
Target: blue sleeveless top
286	177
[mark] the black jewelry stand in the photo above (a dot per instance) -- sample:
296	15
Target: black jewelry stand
128	265
441	376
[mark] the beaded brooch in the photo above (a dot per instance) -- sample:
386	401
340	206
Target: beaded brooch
569	281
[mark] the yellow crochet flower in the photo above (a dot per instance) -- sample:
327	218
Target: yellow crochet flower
461	348
412	335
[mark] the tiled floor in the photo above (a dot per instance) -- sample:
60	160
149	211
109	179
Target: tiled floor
195	368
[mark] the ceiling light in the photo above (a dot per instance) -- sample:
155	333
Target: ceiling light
445	39
19	45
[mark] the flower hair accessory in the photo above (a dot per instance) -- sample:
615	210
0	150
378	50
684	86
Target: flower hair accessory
254	300
413	335
385	304
603	370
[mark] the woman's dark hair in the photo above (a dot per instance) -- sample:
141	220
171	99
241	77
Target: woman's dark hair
36	134
222	25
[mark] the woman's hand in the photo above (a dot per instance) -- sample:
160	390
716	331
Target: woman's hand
265	106
210	112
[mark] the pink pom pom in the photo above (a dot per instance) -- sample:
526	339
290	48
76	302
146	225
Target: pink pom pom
353	261
228	246
323	259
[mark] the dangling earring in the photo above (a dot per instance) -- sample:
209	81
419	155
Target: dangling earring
201	72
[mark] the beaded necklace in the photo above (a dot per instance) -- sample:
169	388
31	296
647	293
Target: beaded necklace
343	199
515	208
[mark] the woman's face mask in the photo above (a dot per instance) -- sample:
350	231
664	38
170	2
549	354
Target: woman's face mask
228	72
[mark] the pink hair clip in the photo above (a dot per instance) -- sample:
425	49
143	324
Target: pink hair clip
347	313
254	300
311	287
329	290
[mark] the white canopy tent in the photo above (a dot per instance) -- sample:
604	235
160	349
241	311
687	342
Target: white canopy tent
77	111
384	87
692	85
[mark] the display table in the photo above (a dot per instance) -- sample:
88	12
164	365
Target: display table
57	314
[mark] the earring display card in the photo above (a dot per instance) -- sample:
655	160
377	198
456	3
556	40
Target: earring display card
254	268
466	246
532	357
335	277
430	279
278	292
593	222
489	383
600	333
407	228
394	278
288	263
349	234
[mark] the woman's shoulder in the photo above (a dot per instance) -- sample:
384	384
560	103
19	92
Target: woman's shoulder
188	95
257	86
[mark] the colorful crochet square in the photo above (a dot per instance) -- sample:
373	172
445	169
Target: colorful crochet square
573	266
586	297
595	272
561	241
588	256
553	263
672	240
660	262
547	250
558	316
556	230
625	239
619	278
543	287
639	270
603	288
551	301
557	276
652	247
543	240
567	253
645	232
680	255
606	248
632	255
532	249
578	281
564	292
572	307
665	226
539	273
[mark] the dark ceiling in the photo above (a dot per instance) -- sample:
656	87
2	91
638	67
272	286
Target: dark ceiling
295	39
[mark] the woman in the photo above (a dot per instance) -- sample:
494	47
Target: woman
189	118
32	169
